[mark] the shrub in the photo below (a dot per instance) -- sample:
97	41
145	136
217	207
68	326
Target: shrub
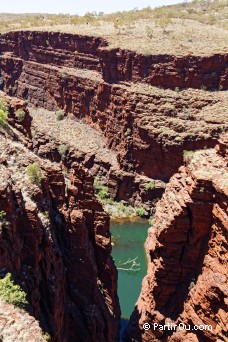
46	336
100	189
150	186
187	155
62	149
3	118
2	215
163	22
34	174
20	115
11	293
151	221
128	132
3	106
64	75
59	114
140	212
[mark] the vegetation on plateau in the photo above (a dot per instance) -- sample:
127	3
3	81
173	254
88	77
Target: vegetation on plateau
191	26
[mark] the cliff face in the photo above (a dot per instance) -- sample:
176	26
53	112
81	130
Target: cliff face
55	240
147	127
165	70
186	280
118	65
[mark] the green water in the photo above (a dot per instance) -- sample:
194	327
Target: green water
129	239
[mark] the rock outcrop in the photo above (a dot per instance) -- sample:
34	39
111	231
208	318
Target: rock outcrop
55	240
17	325
186	281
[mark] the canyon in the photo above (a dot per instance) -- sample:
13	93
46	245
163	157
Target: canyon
148	128
131	120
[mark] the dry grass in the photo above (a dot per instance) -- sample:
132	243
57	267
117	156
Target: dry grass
198	27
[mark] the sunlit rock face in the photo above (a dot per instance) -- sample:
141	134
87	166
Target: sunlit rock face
186	281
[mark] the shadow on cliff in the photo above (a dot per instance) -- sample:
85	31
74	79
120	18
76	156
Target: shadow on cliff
191	264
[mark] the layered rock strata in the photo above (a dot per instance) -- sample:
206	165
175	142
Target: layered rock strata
186	281
118	65
55	240
147	127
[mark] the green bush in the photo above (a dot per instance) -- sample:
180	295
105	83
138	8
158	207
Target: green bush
64	75
150	186
3	118
11	293
151	221
187	155
100	189
46	336
34	174
2	215
3	106
62	149
59	114
128	132
140	212
20	115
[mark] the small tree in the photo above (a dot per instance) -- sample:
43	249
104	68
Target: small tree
11	293
34	174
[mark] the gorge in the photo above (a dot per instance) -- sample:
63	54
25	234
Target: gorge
133	121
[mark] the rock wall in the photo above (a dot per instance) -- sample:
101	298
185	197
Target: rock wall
209	72
55	240
186	281
137	122
118	65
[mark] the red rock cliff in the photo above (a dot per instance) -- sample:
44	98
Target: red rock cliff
146	126
186	281
55	240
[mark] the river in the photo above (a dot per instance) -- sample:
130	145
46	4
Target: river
128	239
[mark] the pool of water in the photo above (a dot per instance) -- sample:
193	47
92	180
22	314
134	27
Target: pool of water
130	259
